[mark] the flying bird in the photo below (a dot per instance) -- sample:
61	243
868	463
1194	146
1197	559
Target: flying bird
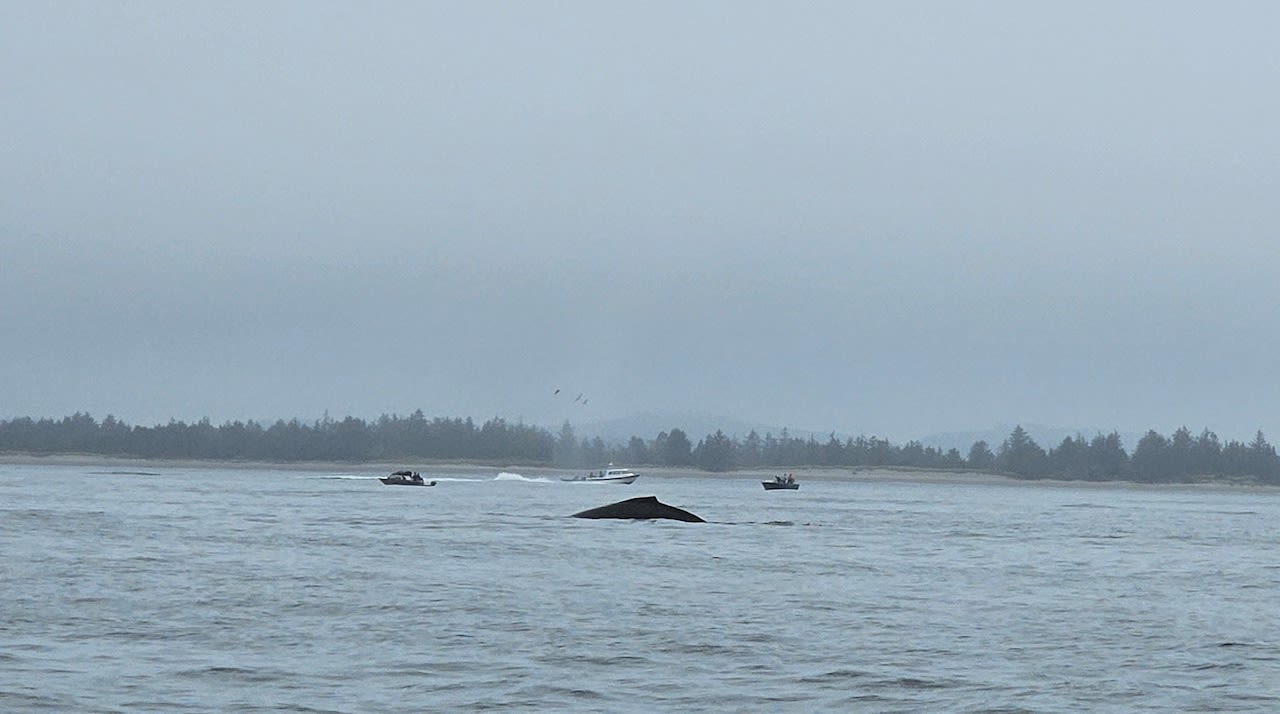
557	391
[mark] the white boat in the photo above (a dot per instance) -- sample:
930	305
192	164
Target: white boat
609	475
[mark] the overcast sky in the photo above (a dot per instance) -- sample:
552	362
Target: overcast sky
889	218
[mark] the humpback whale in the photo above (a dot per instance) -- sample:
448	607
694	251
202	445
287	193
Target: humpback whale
642	507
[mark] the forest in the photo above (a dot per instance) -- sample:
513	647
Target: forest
1178	458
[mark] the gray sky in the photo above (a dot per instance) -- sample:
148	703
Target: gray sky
881	218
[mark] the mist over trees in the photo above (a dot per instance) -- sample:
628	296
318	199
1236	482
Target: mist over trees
1180	457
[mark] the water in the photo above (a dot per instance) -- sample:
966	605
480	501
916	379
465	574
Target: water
253	590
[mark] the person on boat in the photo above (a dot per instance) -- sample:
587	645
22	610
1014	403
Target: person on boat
791	478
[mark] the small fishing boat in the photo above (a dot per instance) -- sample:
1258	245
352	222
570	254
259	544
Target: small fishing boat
405	478
781	483
609	475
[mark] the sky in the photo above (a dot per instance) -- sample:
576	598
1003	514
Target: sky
891	219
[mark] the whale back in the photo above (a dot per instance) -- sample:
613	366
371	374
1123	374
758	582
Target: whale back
642	507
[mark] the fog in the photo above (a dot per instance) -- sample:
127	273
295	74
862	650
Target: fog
880	218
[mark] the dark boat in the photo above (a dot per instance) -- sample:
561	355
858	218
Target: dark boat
405	478
781	483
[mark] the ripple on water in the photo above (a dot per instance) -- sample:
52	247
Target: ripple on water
20	701
231	674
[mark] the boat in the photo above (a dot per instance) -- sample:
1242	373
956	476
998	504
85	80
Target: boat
781	483
608	475
405	478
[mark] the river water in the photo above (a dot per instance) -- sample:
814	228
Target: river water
199	589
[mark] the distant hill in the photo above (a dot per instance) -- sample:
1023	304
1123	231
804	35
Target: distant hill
1047	437
695	425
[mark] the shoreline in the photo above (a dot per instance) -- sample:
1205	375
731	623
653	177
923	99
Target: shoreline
819	474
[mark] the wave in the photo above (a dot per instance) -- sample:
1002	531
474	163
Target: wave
511	476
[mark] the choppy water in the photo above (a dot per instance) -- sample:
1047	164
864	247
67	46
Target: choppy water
236	590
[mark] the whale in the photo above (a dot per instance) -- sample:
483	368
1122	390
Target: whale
644	507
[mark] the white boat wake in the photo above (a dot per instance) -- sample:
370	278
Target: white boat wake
510	476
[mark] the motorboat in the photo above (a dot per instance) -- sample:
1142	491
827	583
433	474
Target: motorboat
609	475
781	483
405	478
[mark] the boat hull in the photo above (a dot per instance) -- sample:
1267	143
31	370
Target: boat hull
775	486
606	479
405	482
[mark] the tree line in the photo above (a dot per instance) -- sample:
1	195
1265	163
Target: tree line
387	438
1156	458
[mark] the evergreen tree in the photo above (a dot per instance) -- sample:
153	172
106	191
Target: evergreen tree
750	451
714	453
1107	457
1070	459
1151	458
1262	459
1206	454
637	451
1021	455
677	449
1181	459
566	453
